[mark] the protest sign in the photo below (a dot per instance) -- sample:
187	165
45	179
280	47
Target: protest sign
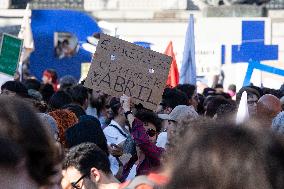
120	67
10	54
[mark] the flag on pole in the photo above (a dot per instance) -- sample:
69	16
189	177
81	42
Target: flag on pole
188	67
173	78
26	34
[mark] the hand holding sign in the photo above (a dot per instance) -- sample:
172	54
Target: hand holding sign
120	67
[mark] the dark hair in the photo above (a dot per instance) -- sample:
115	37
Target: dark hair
200	107
150	117
32	84
17	87
76	109
59	99
232	87
219	86
226	112
214	104
173	97
99	103
188	89
259	90
87	130
23	137
249	90
115	105
46	91
225	155
274	92
208	91
67	81
85	156
79	94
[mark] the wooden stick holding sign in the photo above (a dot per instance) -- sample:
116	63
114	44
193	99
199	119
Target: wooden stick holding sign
120	67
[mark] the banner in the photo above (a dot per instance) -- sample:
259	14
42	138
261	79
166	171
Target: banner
120	67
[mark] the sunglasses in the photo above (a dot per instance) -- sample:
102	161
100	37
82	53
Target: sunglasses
151	132
74	184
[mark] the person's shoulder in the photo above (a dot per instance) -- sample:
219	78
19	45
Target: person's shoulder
145	182
111	130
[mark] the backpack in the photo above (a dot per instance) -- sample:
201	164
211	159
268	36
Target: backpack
129	146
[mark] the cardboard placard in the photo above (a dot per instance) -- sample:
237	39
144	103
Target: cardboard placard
120	67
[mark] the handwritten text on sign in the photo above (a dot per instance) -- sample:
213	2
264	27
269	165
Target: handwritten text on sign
120	67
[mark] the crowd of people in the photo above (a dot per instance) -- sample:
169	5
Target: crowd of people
59	134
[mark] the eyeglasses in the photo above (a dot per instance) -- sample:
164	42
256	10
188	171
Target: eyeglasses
151	132
74	184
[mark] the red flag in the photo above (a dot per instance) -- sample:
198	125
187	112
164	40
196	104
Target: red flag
173	78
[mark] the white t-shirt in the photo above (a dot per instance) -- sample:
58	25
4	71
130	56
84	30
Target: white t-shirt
162	140
132	173
113	136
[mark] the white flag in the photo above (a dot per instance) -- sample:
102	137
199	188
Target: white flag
243	114
27	35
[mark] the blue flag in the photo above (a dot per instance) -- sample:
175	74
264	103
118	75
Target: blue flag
188	67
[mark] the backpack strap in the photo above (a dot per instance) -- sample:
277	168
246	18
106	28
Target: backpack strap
119	130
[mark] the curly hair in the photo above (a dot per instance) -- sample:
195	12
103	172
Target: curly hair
85	156
64	119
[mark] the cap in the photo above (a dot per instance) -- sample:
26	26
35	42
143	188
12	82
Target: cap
181	112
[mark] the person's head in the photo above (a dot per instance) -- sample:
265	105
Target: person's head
208	92
80	96
268	106
170	99
87	166
67	81
64	119
252	98
36	95
88	129
222	156
219	88
65	43
214	104
46	91
152	124
13	88
49	76
50	124
278	123
282	102
180	114
191	92
59	99
117	109
226	112
28	155
232	90
32	84
76	109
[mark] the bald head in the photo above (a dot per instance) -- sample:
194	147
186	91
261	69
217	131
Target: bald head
268	106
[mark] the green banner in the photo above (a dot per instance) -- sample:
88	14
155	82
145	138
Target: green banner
10	53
